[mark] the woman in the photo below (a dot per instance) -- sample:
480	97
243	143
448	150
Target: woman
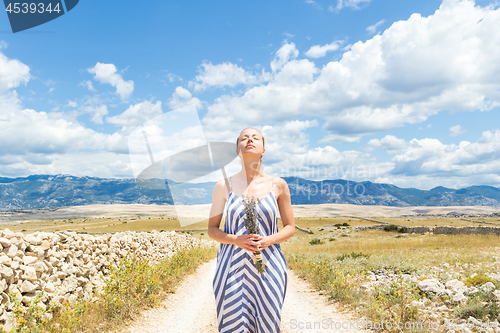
246	300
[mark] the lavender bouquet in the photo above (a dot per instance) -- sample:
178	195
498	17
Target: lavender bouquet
252	226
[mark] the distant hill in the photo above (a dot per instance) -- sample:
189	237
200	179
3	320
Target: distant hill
46	191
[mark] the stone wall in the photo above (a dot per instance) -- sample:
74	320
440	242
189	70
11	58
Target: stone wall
445	230
68	266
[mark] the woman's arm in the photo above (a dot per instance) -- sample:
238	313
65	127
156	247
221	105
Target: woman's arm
216	212
286	212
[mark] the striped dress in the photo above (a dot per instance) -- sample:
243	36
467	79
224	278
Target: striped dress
246	300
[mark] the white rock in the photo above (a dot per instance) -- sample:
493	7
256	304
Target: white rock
4	259
5	242
487	287
49	287
431	286
6	272
29	260
29	274
12	251
28	287
45	245
3	285
33	240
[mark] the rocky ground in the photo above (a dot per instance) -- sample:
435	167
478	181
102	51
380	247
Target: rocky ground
68	266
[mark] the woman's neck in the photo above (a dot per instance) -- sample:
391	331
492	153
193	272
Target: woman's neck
251	169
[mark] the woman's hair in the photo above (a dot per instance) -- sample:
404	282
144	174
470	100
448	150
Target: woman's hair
238	139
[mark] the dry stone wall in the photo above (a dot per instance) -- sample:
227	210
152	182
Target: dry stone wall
444	230
68	266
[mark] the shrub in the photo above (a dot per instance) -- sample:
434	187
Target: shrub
393	227
352	255
316	241
478	280
475	308
390	227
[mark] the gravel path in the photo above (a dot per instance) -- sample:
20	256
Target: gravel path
191	309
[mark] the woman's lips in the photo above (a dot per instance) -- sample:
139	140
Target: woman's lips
250	146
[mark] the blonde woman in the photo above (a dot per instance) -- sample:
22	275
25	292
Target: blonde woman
246	300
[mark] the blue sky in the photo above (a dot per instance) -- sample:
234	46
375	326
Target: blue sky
400	92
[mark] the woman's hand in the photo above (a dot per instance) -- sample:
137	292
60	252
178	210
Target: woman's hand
264	242
248	242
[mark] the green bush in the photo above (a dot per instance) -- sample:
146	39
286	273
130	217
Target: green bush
393	227
316	241
352	255
478	280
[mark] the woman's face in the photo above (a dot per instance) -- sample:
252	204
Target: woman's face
251	142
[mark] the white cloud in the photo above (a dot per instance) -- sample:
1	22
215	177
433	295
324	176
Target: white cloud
456	130
172	77
106	73
390	143
12	73
414	69
318	51
183	97
72	104
314	3
96	111
372	29
354	4
87	84
439	164
286	53
49	143
136	114
225	74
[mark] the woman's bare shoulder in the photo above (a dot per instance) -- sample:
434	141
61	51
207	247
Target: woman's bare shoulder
281	185
222	187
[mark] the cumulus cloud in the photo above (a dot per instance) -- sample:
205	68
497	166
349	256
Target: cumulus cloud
183	97
225	74
87	84
414	69
136	114
373	28
12	73
107	73
456	130
286	53
432	158
318	51
41	142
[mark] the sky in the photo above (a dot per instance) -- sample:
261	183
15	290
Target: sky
399	92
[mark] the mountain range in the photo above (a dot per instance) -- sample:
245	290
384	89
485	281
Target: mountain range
52	191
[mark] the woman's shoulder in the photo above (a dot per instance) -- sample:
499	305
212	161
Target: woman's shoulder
281	186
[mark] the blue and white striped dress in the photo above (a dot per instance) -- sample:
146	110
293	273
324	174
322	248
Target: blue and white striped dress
246	300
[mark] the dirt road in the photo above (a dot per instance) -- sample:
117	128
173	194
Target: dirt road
191	309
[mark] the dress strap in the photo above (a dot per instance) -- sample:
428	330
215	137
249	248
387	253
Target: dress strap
230	184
